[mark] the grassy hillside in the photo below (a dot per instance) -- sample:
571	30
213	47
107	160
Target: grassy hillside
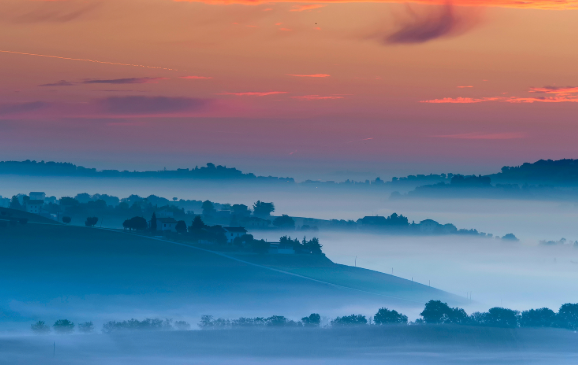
55	269
7	213
323	269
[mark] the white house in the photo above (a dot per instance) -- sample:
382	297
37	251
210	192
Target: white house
166	224
233	232
34	206
37	196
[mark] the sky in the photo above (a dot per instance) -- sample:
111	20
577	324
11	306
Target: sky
327	89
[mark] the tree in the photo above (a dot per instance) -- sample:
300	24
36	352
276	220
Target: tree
436	312
240	209
15	203
260	246
197	223
568	316
386	316
40	327
63	326
542	317
314	246
86	327
313	320
138	223
284	221
181	227
262	209
91	221
502	317
208	208
352	320
510	237
66	219
154	222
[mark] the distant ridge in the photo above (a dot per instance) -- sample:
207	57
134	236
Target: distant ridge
34	168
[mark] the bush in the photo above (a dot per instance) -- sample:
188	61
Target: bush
91	221
40	327
352	320
66	219
86	327
386	316
314	320
63	326
136	325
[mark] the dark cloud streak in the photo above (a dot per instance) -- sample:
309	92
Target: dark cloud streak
437	22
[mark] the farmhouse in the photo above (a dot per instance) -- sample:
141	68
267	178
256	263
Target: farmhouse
166	224
233	232
34	206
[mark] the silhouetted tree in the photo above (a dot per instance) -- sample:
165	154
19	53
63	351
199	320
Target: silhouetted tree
181	227
66	219
197	223
15	203
314	246
386	316
63	326
138	223
352	320
40	327
284	221
262	209
542	317
568	316
510	237
240	209
208	208
91	221
437	312
313	320
154	222
260	246
86	327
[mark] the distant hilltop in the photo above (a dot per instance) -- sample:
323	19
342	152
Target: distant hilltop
543	172
34	168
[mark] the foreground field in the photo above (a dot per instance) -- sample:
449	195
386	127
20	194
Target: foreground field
375	345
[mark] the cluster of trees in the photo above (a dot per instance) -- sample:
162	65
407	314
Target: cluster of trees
148	324
436	312
209	322
305	246
61	326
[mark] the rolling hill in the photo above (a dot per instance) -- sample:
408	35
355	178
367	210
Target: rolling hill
47	271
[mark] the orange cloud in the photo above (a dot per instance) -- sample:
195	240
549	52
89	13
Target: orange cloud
313	75
255	93
560	95
316	97
515	135
464	87
307	7
527	4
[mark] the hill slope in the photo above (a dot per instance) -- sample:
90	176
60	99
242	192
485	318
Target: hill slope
53	270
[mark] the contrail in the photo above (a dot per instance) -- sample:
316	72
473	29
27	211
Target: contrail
87	60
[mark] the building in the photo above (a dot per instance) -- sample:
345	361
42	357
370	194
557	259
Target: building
166	224
233	232
37	196
34	206
276	248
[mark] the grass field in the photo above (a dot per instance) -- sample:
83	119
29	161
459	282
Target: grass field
92	274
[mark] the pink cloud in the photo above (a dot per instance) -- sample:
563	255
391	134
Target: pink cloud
554	90
513	135
459	100
256	93
317	97
560	95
